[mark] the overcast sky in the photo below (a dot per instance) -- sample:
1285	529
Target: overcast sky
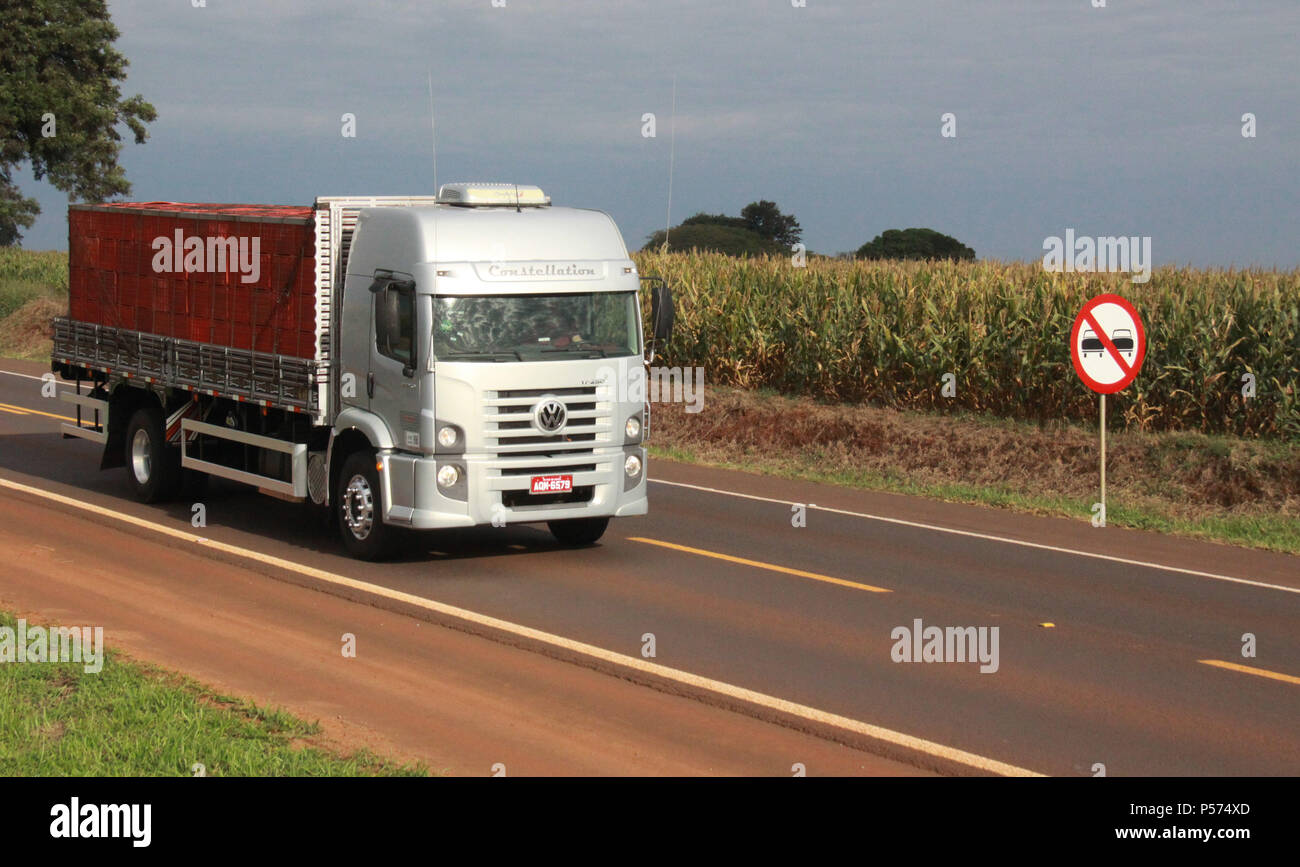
1118	120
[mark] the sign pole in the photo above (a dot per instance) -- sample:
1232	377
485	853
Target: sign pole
1107	345
1103	460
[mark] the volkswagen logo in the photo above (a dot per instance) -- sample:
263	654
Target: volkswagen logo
549	416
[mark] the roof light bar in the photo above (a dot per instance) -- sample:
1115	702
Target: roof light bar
492	195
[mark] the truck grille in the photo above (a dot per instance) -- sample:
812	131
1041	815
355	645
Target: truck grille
509	434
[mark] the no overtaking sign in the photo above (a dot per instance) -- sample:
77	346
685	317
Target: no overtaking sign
1108	344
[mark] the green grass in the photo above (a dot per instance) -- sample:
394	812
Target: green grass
1270	532
134	719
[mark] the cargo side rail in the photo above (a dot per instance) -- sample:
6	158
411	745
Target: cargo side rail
94	428
294	487
280	381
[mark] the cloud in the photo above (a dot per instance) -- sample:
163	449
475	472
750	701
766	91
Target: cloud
1127	115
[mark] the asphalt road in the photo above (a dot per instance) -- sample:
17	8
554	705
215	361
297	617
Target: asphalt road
461	704
1126	675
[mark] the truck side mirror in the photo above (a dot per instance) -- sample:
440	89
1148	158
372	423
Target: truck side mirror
662	312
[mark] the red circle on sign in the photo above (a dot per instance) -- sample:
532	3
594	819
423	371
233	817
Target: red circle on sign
1085	318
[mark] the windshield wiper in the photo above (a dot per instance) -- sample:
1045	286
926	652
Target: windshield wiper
578	347
487	353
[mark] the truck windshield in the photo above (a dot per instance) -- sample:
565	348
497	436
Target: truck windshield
535	327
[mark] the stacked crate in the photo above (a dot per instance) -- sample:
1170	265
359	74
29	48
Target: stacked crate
113	280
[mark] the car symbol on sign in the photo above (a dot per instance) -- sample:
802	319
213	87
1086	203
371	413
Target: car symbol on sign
1122	338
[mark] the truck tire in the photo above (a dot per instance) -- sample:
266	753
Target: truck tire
578	531
359	504
153	467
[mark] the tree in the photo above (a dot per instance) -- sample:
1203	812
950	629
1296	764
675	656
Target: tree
760	229
61	104
766	219
703	219
914	244
714	238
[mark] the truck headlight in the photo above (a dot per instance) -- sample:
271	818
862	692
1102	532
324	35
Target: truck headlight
632	466
632	428
447	437
448	475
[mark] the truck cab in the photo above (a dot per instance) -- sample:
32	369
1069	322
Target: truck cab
490	355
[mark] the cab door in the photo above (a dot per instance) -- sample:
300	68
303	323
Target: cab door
393	384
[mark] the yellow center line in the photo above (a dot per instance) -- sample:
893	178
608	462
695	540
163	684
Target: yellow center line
22	410
758	564
1246	669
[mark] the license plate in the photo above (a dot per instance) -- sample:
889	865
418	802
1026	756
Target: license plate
552	485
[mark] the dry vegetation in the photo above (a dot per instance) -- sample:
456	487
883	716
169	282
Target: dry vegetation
33	290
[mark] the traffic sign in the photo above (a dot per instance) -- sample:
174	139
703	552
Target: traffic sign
1107	346
1108	343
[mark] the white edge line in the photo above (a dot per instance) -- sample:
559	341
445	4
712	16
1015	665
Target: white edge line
973	534
63	387
716	686
23	375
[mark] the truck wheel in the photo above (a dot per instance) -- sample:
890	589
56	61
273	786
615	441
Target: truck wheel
153	468
578	531
360	509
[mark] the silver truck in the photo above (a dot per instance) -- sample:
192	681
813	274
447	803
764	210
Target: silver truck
478	360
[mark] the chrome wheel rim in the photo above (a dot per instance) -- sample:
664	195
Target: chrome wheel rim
141	462
359	507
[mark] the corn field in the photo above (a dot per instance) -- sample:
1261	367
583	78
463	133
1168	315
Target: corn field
887	332
25	275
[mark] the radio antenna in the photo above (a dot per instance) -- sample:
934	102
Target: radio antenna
433	133
672	154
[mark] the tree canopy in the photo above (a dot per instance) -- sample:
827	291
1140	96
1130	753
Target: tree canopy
766	219
914	244
715	239
61	104
760	229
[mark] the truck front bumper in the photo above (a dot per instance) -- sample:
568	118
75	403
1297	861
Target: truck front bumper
491	491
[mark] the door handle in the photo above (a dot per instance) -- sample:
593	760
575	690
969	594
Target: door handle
370	385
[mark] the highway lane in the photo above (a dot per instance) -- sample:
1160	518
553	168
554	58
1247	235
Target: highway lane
460	703
1117	680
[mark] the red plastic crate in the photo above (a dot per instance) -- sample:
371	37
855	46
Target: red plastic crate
112	279
201	330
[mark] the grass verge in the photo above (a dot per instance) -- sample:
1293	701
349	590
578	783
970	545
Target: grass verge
135	719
